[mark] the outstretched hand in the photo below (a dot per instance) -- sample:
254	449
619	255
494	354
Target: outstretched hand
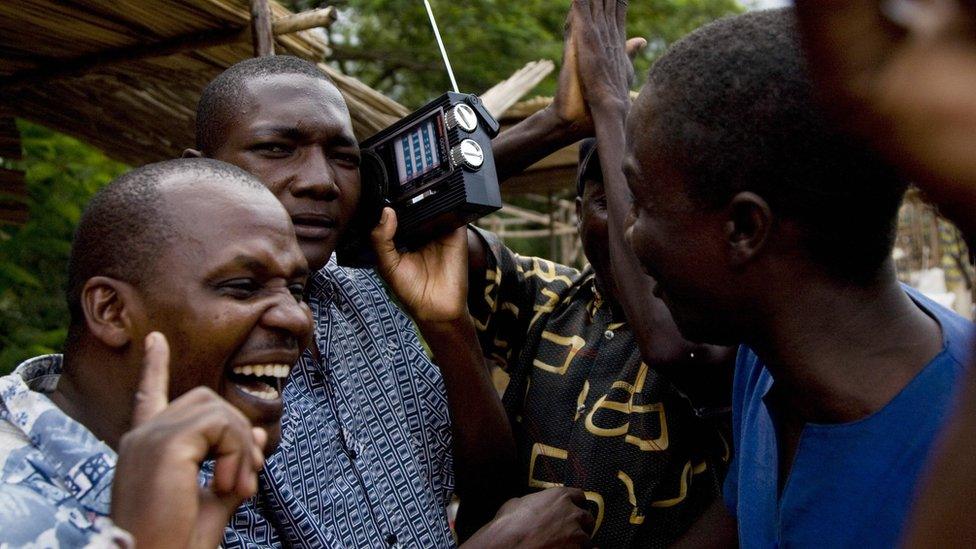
551	518
902	73
604	65
569	103
432	282
156	496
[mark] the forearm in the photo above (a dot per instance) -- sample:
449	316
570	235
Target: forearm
640	307
484	448
531	140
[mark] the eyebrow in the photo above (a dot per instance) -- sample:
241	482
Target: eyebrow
254	264
296	134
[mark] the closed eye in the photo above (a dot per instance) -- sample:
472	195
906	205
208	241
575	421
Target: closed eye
297	290
239	288
347	160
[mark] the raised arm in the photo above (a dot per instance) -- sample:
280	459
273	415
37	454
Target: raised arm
561	124
606	75
431	283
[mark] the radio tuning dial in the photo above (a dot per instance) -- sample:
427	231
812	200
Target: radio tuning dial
468	154
464	117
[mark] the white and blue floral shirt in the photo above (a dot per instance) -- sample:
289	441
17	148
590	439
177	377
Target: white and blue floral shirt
55	476
365	455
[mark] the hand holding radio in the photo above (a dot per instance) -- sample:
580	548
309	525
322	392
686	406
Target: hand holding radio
431	282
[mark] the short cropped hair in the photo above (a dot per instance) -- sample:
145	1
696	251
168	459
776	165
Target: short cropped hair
126	227
224	94
736	108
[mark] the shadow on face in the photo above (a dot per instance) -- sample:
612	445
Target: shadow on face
294	133
679	243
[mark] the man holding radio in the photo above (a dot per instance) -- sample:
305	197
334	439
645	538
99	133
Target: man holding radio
365	457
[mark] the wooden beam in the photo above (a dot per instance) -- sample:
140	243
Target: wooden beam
10	148
262	37
312	19
12	183
193	41
14	214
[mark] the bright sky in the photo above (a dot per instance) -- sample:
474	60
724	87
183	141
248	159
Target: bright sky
761	4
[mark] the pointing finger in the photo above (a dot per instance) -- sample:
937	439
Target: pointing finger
152	397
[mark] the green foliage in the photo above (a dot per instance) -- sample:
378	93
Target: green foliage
389	44
62	174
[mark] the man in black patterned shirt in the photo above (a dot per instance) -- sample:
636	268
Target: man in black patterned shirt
586	410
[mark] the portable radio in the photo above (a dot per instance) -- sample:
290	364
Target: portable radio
434	168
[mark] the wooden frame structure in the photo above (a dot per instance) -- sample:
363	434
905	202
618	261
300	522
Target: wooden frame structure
125	75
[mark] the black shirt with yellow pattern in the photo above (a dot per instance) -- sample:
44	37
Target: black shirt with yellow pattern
586	411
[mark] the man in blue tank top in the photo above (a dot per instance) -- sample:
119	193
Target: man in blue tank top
760	224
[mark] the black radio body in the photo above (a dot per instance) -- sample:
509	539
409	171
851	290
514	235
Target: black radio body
434	168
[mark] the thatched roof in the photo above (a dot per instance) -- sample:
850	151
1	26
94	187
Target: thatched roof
125	75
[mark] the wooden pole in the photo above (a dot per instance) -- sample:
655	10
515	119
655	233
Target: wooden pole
322	17
262	36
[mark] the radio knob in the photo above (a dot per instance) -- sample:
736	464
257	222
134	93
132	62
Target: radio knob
462	116
468	154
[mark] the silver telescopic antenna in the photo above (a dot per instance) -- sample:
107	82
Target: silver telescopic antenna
440	43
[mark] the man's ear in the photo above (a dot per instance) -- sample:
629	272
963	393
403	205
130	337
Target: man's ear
112	310
579	212
748	227
191	153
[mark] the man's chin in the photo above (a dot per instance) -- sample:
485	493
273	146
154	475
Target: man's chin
264	412
317	252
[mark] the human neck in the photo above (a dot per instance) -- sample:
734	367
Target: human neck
840	353
104	408
609	294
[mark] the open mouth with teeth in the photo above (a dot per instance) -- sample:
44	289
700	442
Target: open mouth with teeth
263	381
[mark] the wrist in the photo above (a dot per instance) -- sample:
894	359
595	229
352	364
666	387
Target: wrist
494	534
612	106
562	130
445	326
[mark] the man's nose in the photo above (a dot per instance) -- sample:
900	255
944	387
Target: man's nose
290	316
316	178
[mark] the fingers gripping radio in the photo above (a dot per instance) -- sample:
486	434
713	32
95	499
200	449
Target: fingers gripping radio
434	168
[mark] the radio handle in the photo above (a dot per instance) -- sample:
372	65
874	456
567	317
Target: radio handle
491	125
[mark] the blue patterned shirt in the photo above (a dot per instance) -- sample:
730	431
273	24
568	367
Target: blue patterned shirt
365	454
55	476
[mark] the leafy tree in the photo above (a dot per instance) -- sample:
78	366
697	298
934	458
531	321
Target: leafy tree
62	174
389	44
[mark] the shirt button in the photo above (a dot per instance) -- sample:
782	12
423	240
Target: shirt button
608	334
391	539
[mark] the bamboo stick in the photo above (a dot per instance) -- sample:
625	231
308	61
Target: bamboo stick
318	18
262	37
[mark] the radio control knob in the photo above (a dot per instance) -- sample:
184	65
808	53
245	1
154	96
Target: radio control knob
462	116
468	154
